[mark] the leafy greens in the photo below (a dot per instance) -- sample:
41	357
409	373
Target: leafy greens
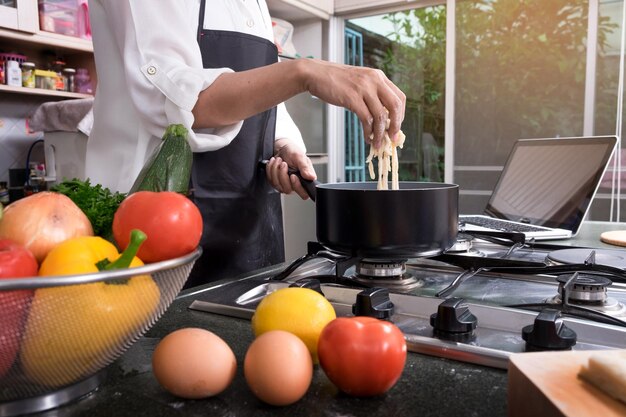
97	202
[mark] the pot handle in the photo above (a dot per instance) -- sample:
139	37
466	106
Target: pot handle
309	186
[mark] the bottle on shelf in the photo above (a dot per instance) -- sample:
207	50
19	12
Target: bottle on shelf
69	74
28	74
11	74
14	74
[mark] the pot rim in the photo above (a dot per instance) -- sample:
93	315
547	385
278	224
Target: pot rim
372	186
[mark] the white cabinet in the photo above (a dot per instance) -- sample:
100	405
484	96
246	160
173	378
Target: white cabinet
20	15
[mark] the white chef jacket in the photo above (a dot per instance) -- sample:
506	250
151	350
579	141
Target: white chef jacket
150	73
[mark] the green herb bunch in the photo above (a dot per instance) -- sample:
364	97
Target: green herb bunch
97	202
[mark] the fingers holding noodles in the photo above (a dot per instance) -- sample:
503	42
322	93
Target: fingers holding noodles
387	155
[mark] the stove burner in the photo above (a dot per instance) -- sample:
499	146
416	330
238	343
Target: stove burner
608	257
610	306
586	288
590	291
464	245
387	273
375	268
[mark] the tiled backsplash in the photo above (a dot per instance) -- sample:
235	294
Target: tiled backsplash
15	140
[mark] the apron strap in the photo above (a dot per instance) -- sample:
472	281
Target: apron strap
201	18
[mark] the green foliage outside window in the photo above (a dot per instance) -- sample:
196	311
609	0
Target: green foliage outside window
520	72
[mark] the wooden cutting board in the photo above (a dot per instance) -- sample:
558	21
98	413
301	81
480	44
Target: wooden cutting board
614	237
546	384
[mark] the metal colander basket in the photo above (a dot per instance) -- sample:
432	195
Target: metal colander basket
58	332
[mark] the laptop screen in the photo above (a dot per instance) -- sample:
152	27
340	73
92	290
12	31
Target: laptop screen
551	182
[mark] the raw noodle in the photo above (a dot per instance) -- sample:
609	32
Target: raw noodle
387	156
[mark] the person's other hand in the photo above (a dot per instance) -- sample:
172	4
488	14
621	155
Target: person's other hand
286	155
365	91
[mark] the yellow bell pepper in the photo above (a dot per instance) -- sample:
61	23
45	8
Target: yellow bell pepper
72	331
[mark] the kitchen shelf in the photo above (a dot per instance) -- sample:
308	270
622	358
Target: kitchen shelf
47	39
294	10
41	92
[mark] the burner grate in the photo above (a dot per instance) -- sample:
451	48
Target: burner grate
608	257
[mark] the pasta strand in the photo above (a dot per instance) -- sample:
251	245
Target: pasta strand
387	156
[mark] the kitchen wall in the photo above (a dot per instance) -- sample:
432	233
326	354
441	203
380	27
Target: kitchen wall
15	139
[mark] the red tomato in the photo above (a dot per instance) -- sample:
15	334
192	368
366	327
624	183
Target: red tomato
362	356
171	222
15	262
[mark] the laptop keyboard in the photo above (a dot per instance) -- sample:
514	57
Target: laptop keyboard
502	225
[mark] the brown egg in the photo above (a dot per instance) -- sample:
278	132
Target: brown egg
193	363
278	368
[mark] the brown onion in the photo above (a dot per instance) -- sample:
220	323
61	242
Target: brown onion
43	220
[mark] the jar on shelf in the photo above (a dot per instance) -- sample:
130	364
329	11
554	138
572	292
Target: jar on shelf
82	81
4	193
28	74
45	79
58	66
69	74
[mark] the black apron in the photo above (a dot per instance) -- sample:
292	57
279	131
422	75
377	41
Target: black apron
243	228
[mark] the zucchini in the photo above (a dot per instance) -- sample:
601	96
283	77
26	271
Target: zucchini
169	166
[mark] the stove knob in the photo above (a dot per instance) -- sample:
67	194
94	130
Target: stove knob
453	316
310	283
548	332
373	302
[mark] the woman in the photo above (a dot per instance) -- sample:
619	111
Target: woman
212	66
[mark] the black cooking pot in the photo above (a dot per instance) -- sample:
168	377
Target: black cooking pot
420	219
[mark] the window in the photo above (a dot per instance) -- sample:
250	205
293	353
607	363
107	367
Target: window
409	46
521	73
521	69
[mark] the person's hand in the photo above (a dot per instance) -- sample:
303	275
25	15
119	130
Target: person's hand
286	155
365	91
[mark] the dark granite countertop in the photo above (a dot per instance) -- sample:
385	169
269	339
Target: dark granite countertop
429	386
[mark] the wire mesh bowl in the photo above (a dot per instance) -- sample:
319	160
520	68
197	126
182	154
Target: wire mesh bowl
58	332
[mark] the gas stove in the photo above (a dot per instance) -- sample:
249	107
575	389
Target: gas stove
487	297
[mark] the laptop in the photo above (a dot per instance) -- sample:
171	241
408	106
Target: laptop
546	187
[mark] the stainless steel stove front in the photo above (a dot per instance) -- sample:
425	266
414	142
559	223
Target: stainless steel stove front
499	329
